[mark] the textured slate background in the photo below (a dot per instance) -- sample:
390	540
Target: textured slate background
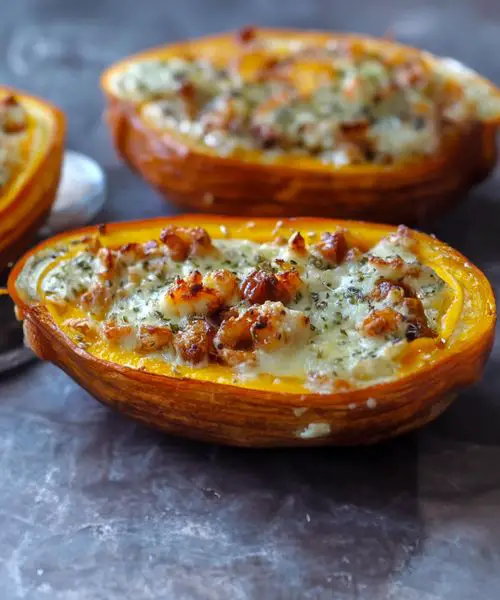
94	507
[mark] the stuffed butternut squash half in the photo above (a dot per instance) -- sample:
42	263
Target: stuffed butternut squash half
31	147
289	123
260	333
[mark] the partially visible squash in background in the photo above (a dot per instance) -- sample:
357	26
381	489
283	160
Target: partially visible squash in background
247	182
30	189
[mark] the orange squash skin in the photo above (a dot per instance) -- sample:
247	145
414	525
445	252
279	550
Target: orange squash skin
242	416
201	181
26	210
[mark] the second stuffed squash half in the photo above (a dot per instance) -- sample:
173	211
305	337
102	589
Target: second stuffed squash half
288	123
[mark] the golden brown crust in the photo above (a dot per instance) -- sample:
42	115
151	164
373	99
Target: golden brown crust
183	242
195	344
261	286
381	322
152	338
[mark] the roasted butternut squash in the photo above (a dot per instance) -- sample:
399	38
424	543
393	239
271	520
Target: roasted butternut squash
31	150
259	333
291	123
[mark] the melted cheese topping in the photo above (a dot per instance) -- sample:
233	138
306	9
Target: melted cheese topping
13	133
338	102
287	310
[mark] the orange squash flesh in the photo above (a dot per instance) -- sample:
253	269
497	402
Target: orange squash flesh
26	200
246	183
205	403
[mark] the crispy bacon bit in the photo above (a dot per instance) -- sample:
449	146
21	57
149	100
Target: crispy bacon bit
116	333
417	321
381	322
83	326
151	338
246	34
261	286
186	241
12	115
195	344
296	243
332	247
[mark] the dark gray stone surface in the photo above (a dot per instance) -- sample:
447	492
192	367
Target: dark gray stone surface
95	507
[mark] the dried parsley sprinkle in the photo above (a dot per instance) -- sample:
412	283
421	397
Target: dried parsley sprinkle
318	263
